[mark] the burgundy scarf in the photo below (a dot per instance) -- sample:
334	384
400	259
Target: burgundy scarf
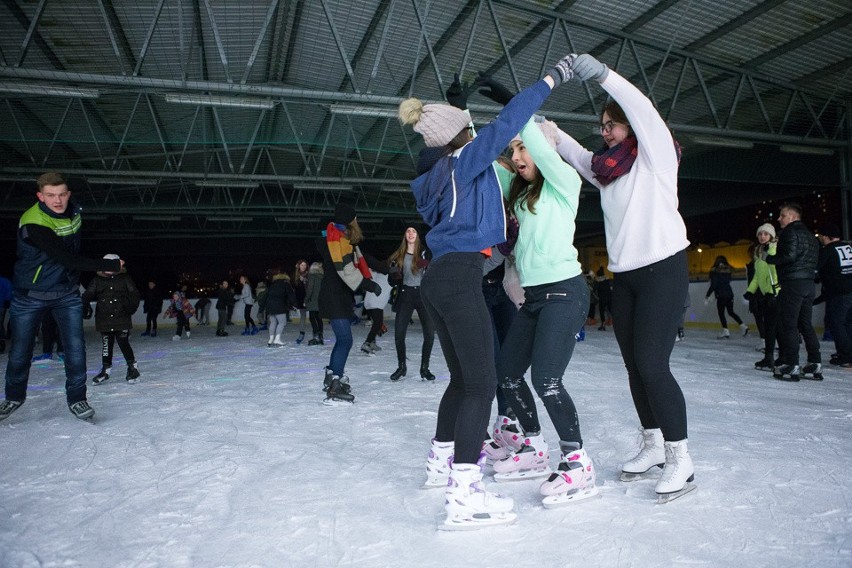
610	163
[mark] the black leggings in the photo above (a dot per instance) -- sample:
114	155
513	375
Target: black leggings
452	295
151	321
377	316
647	306
316	321
407	302
108	339
723	304
247	315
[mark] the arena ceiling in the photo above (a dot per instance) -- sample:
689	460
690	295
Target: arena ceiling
200	118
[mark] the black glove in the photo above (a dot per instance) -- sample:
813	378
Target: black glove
368	285
457	93
490	88
748	296
87	310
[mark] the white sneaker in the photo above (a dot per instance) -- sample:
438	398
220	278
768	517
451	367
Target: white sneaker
574	479
678	472
438	463
469	505
652	453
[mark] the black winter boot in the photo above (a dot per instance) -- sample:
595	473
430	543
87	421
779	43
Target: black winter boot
426	374
399	373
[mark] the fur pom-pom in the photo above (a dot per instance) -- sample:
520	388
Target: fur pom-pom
410	111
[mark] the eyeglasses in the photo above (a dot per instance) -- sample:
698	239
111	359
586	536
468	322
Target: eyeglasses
607	127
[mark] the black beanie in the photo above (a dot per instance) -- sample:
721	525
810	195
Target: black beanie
343	214
830	230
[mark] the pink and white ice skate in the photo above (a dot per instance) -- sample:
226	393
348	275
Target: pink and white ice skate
529	462
573	480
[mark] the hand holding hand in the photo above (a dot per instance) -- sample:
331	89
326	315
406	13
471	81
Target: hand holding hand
490	88
586	67
562	71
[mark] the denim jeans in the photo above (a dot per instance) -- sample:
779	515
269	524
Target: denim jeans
342	329
452	293
25	316
542	338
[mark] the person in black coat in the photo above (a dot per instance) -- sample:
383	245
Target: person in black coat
118	300
796	260
152	306
720	284
280	299
224	300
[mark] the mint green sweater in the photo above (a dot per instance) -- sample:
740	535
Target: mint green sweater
545	251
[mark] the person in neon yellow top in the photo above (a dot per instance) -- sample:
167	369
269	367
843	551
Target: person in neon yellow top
764	288
544	196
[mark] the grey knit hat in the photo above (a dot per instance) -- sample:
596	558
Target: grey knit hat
766	228
437	123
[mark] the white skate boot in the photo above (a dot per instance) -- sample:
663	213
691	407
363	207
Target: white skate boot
678	474
438	464
469	506
574	479
508	433
529	462
651	454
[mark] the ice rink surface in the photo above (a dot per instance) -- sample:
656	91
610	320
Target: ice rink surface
223	456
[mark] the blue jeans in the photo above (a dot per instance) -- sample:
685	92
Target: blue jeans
342	329
542	339
25	316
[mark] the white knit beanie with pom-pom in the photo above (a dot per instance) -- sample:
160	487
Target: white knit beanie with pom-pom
437	123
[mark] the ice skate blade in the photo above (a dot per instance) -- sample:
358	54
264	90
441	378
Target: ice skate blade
132	381
556	501
663	498
649	474
522	475
429	484
337	402
478	521
813	377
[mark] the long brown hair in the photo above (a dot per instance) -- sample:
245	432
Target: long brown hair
398	255
297	274
524	194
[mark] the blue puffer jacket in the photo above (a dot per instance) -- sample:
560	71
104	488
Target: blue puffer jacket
459	197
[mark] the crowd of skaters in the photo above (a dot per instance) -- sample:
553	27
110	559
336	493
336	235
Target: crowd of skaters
521	173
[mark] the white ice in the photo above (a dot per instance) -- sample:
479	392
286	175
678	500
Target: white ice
224	456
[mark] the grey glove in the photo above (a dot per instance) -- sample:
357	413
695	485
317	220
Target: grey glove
562	71
586	67
370	286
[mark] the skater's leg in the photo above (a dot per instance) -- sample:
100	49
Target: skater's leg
123	339
342	329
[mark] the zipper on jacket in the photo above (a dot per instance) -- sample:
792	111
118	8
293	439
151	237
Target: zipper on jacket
38	272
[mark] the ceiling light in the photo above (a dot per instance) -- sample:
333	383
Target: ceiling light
397	189
723	142
121	181
49	90
321	187
156	218
234	219
225	183
353	110
813	150
370	221
219	101
296	219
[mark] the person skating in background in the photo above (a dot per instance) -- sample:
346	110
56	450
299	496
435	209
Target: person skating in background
593	298
458	195
152	306
835	274
407	267
796	258
224	299
603	290
763	291
202	310
636	173
260	301
181	309
46	281
117	300
720	284
247	297
312	293
345	271
50	338
280	299
300	286
375	304
5	301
